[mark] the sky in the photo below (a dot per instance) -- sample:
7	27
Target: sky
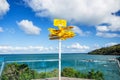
24	25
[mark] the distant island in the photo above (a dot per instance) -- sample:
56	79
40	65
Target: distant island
112	50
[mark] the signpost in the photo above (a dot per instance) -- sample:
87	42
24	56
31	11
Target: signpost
62	33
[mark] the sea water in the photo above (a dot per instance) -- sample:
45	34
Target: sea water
81	62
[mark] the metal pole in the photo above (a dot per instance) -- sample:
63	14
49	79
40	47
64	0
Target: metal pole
59	59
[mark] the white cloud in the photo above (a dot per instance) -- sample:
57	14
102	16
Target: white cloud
107	34
18	49
78	30
114	21
92	12
28	27
80	11
4	7
102	28
110	44
1	29
79	48
111	30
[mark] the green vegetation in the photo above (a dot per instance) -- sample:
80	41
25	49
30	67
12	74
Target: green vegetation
16	71
70	72
112	50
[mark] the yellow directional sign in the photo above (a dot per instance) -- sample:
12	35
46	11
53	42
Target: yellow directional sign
60	22
63	32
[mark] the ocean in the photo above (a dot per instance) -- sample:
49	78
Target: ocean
82	62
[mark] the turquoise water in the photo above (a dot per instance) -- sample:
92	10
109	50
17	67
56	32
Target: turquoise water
81	62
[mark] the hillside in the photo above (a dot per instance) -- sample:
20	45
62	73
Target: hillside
112	50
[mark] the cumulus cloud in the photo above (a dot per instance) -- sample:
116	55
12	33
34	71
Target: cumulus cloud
102	28
114	21
85	11
77	30
1	29
4	7
110	44
28	27
107	34
109	30
78	47
92	12
17	49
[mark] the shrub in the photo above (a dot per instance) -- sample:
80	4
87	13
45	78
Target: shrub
16	71
97	75
68	72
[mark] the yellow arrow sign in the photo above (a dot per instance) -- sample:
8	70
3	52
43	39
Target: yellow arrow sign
63	32
60	22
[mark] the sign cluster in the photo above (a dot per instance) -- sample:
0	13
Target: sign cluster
63	32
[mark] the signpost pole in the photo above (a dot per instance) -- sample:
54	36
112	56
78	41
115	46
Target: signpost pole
62	33
59	59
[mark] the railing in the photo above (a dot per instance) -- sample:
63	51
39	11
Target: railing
84	65
2	65
50	60
117	62
38	65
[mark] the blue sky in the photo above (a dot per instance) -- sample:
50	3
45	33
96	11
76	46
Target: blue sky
24	25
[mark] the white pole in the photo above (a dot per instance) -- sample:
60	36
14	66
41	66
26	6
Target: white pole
59	59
